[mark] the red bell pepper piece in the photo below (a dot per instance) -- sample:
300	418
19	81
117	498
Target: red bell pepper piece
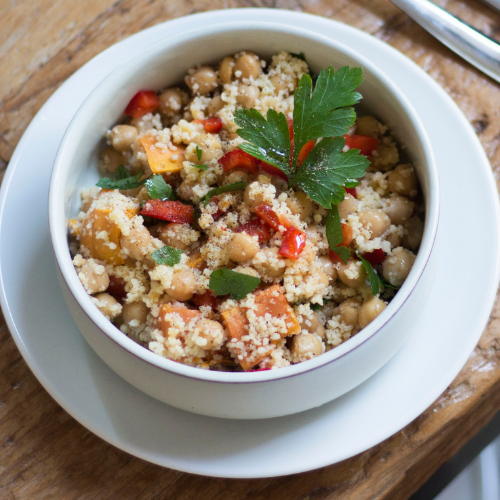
256	227
116	288
212	125
237	158
293	244
351	191
375	257
205	299
269	216
173	211
306	149
365	143
145	101
272	170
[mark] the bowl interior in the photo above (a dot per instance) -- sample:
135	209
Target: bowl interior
164	64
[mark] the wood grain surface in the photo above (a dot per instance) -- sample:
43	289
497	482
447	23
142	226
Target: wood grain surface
44	453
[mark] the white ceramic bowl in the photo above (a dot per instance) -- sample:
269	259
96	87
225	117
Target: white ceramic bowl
237	395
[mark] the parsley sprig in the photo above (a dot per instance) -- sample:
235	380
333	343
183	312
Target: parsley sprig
226	281
124	180
324	113
167	255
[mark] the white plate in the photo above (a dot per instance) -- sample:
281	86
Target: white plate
450	326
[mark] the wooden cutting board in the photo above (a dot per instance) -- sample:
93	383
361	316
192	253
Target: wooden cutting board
44	453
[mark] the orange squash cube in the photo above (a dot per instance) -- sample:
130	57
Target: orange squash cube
186	314
162	160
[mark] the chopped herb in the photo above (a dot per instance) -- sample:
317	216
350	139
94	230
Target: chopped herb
235	186
158	189
201	167
130	182
375	281
351	183
167	255
386	284
199	152
315	307
325	112
301	56
122	173
226	281
334	235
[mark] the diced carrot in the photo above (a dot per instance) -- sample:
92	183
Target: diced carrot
186	315
162	160
266	302
196	261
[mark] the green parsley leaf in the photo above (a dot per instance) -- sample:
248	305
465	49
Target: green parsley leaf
269	140
301	56
122	173
199	152
351	183
201	167
167	255
226	281
325	111
158	189
334	235
386	284
326	169
333	228
343	252
235	186
375	281
131	182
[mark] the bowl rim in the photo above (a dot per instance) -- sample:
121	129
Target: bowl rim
63	258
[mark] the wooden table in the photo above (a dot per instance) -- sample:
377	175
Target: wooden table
44	452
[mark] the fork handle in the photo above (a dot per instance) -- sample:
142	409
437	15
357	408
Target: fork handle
469	43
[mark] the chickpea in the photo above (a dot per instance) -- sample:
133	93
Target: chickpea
396	268
328	268
183	285
375	221
108	305
94	277
171	235
348	311
272	266
399	209
247	95
394	239
252	200
282	85
215	105
247	66
321	332
368	125
236	176
349	205
202	81
171	101
242	247
135	312
370	309
305	345
136	243
210	334
210	148
310	323
352	274
226	69
111	159
185	190
414	229
123	136
403	180
300	205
